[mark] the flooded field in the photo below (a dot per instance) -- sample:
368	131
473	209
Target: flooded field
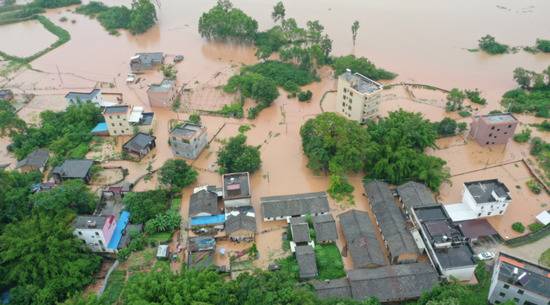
424	41
15	38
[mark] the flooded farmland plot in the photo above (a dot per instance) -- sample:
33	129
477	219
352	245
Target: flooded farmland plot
16	38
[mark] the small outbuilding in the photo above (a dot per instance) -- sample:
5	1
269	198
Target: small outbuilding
73	169
325	228
35	161
6	94
140	144
305	255
162	252
241	225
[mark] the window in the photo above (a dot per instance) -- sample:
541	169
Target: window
114	131
110	117
516	300
492	142
79	232
489	214
505	132
497	302
491	134
96	233
478	214
112	124
492	128
530	303
520	291
502	294
486	143
506	286
119	124
509	126
118	116
498	129
501	212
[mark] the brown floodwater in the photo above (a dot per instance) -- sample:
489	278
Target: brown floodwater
423	41
16	38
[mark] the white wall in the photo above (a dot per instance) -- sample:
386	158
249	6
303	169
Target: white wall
93	237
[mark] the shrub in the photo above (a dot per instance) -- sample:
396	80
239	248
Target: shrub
464	113
305	96
475	96
544	126
534	186
523	136
360	65
534	227
232	110
447	127
518	227
543	45
491	46
235	156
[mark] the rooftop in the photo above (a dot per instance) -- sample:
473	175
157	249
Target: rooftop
300	230
148	57
294	205
242	221
476	228
452	250
498	118
139	142
235	186
337	288
147	118
165	86
74	168
187	130
119	230
361	239
522	273
37	159
414	194
83	96
306	261
361	83
485	191
116	109
90	222
392	283
203	202
202	243
325	228
390	219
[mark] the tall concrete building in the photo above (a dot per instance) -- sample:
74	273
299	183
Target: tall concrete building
163	94
493	128
358	96
521	281
121	120
188	140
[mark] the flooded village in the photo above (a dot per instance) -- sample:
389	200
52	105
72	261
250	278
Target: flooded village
282	216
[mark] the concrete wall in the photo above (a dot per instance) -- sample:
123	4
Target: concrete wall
118	124
189	150
484	209
489	134
162	99
355	105
93	237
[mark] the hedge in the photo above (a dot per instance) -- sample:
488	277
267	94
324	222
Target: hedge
529	238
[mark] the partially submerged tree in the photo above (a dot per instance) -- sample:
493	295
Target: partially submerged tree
278	13
235	156
354	30
177	174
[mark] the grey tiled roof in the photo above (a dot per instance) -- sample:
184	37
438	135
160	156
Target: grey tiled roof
414	194
325	228
36	159
337	288
74	168
240	222
390	219
306	261
392	283
203	202
139	142
294	205
360	235
83	96
300	229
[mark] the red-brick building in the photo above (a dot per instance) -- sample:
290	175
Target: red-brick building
493	129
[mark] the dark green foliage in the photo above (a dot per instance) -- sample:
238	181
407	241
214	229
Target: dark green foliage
116	17
544	126
143	16
447	127
518	227
138	19
523	136
282	73
15	203
534	186
464	113
534	101
361	65
195	118
475	96
541	150
43	261
177	174
232	110
305	96
255	86
9	121
490	45
93	8
543	45
536	226
270	41
235	156
72	194
223	22
66	134
455	98
340	189
329	262
167	222
145	205
278	13
55	3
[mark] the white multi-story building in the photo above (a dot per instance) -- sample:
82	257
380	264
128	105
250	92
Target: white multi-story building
121	120
95	231
480	199
358	96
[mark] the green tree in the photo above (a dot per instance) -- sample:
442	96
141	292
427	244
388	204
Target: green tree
235	156
169	71
488	44
167	222
145	205
15	203
278	13
9	121
455	98
43	260
143	16
522	78
360	65
340	189
447	127
195	118
223	22
177	174
72	194
354	30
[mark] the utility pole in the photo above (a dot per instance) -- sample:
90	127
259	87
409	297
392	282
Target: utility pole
59	75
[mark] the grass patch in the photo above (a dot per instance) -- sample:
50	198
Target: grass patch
114	287
523	136
161	237
175	205
329	262
141	260
289	265
545	258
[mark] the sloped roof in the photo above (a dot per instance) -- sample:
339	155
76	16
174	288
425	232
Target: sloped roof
392	283
337	288
361	239
36	159
325	228
306	261
292	205
300	229
203	202
83	96
414	194
74	168
240	222
390	219
139	142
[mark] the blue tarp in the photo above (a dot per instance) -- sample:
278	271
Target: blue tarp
120	226
207	220
100	127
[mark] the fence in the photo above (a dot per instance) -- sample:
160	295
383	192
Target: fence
529	238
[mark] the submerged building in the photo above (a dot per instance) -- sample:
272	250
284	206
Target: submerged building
188	140
358	96
493	129
162	94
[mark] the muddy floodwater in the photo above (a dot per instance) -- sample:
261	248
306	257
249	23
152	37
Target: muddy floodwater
24	38
424	41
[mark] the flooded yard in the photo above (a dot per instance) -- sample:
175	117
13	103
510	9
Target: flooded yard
16	39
